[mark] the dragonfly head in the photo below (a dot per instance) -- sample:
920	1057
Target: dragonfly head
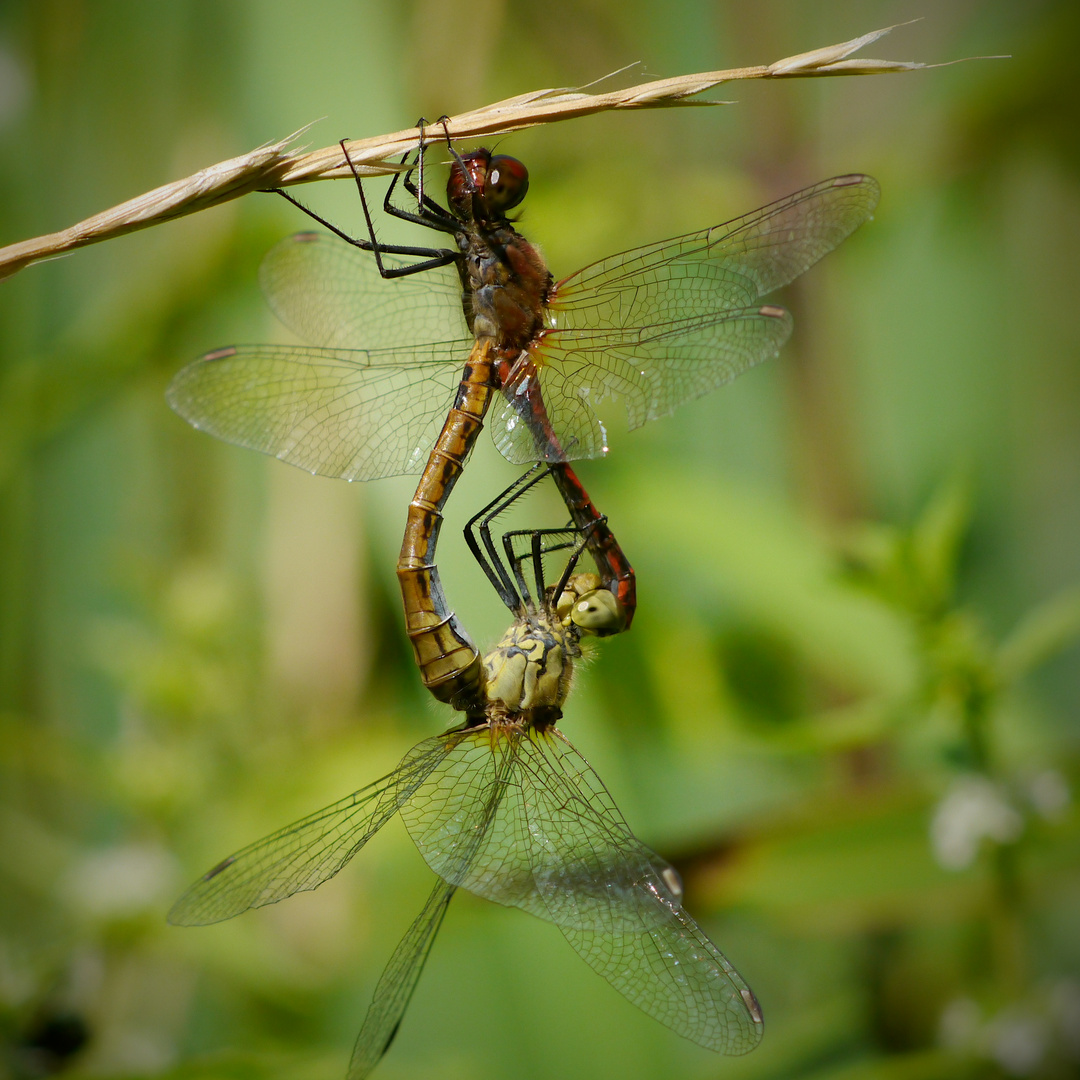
593	609
484	186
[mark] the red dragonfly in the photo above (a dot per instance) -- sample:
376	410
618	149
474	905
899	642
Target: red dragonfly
380	382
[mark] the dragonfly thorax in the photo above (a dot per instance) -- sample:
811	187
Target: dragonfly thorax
505	283
531	668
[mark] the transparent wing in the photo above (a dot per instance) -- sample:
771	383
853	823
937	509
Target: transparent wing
652	368
651	951
522	861
748	257
310	851
558	847
473	818
331	295
357	402
397	983
662	324
439	821
350	413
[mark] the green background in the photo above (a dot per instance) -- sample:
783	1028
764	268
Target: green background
858	566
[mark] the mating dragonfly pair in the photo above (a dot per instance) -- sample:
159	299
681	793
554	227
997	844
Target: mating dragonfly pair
503	806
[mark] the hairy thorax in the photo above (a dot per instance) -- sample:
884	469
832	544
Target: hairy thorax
505	283
530	669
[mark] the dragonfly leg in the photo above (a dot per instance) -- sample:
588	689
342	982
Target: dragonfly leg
506	572
484	550
432	257
435	256
588	530
428	212
435	218
542	542
425	203
474	192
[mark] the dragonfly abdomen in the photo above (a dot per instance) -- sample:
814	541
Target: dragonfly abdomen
449	662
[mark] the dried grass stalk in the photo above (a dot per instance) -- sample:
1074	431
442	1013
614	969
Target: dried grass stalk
276	165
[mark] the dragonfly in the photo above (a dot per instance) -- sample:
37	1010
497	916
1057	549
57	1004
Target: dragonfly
379	389
506	808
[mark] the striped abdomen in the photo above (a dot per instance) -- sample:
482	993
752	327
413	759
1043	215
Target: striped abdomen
448	660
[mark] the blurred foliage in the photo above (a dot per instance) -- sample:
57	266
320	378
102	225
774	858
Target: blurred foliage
848	708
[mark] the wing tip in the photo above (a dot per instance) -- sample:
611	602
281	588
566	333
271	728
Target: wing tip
176	393
747	1037
864	180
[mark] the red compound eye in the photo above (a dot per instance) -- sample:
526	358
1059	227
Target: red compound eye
506	183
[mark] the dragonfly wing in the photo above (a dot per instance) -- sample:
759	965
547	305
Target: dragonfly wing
442	821
676	975
350	413
774	245
474	810
310	851
760	251
653	368
619	904
557	847
332	295
522	859
532	852
397	983
664	323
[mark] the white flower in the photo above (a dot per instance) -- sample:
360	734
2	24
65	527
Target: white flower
974	809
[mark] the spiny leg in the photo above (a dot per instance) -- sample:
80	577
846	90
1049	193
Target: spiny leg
424	202
484	550
434	218
434	256
539	543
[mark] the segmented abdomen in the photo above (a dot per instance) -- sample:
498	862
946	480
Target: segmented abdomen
449	662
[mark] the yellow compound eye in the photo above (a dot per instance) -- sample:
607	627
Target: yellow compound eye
599	612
